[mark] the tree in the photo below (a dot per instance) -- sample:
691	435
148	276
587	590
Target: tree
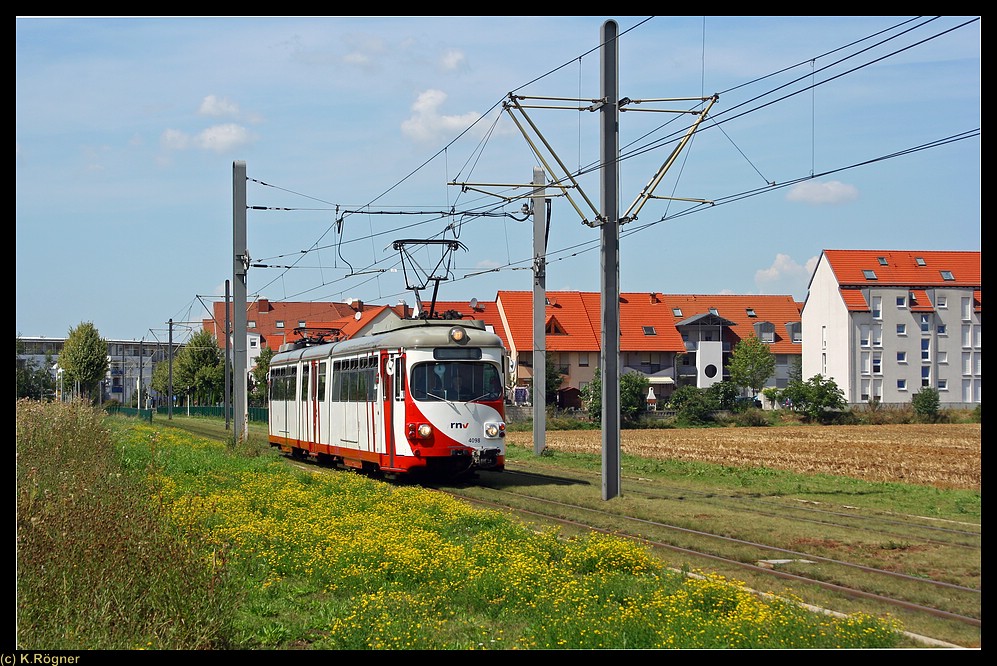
751	364
32	381
815	398
258	391
724	394
693	405
84	359
633	396
199	370
592	396
925	403
552	379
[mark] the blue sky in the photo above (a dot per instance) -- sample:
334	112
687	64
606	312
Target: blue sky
829	133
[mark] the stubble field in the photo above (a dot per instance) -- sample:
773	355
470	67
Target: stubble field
940	455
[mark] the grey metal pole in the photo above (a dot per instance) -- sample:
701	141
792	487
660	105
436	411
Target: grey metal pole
169	397
227	402
240	267
539	313
610	240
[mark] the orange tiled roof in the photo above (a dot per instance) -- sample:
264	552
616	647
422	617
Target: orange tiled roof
485	311
905	267
919	301
567	307
778	310
266	314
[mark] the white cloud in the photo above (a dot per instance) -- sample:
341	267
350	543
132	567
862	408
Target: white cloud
219	139
816	193
427	124
218	106
452	59
785	276
223	138
172	139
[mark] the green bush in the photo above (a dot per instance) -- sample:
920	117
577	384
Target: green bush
926	404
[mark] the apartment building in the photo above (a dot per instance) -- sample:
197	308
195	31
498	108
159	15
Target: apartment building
884	324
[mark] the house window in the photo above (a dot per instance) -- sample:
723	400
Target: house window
901	329
869	274
677	312
251	324
901	301
750	312
967	309
252	344
583	360
301	323
877	307
877	336
901	384
940	329
942	302
864	336
942	356
943	384
947	276
713	311
901	357
925	349
649	330
925	323
279	324
864	397
920	261
925	376
883	261
866	363
877	363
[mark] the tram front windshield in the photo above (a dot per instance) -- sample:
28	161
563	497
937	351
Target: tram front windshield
465	381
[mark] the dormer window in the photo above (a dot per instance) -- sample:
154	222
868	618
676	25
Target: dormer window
870	274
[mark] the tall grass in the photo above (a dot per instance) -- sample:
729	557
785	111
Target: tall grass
340	561
98	567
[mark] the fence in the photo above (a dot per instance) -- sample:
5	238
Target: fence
255	414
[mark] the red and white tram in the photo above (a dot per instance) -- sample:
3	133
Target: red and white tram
420	395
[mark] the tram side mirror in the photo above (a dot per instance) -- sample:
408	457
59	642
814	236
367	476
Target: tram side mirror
389	367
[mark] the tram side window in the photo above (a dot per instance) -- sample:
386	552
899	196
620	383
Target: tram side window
321	381
353	380
399	379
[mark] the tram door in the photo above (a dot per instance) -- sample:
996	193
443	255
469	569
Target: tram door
394	404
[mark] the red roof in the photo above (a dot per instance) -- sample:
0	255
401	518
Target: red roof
744	311
266	315
905	268
483	311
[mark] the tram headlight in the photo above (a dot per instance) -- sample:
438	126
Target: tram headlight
494	430
458	335
420	431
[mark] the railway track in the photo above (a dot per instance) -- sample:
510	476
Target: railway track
832	557
923	571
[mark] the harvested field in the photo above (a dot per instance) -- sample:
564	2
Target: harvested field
940	455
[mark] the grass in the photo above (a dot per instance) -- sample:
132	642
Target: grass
133	535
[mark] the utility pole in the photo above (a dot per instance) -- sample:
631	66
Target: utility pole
228	361
539	313
240	267
610	250
169	397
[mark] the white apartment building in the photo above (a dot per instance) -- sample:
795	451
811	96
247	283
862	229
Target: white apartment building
884	324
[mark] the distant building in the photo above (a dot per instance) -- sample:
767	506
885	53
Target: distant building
885	324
